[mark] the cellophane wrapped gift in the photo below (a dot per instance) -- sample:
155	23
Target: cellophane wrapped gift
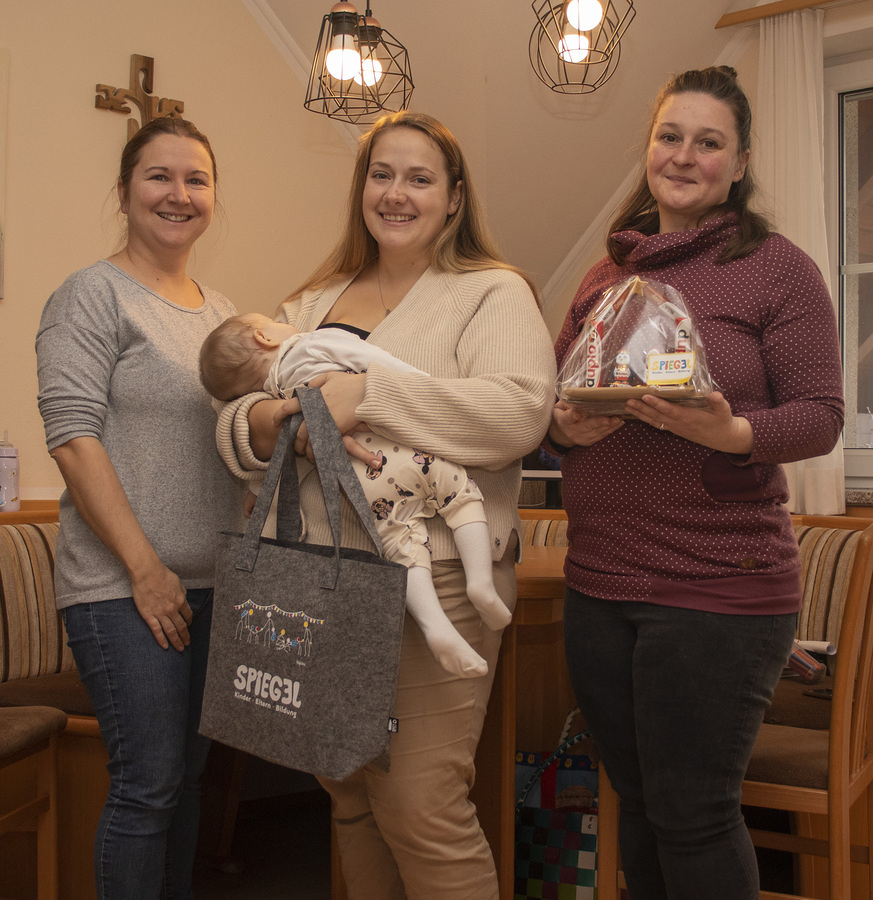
639	339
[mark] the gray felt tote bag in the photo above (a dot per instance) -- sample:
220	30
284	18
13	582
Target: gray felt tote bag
305	639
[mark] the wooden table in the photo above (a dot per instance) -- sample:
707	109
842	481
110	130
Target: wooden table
31	511
540	577
529	702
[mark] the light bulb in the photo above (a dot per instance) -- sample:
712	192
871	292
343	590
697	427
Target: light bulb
371	68
370	72
343	61
573	48
584	15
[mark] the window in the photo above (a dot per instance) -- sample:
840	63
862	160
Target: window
848	171
856	263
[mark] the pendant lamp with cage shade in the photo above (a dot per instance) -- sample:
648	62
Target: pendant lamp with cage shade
575	45
359	71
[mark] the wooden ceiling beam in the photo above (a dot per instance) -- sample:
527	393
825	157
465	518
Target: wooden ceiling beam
744	16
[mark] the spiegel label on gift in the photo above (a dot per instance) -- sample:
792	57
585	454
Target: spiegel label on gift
670	368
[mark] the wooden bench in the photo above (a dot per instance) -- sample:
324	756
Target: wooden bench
37	669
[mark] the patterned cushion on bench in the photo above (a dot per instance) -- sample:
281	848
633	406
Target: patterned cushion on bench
36	666
826	557
544	532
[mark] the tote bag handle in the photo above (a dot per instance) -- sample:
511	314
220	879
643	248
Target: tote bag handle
334	470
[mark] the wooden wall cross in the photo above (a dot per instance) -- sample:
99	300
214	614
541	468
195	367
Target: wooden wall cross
142	71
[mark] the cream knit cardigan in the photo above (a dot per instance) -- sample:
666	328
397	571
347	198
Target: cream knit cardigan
486	402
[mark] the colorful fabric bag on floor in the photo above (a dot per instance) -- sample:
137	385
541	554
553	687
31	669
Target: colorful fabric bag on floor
556	822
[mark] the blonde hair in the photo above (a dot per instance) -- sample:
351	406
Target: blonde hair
465	243
231	360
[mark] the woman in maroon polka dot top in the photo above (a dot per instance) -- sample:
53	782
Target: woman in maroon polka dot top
682	572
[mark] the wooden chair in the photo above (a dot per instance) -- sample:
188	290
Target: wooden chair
804	771
29	766
37	670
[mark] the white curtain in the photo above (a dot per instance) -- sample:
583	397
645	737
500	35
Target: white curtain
789	166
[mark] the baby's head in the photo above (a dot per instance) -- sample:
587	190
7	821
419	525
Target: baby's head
236	357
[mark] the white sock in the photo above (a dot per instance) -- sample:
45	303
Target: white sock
474	548
453	653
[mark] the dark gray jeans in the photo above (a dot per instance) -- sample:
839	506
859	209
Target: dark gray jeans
674	699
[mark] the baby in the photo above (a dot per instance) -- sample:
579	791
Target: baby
254	353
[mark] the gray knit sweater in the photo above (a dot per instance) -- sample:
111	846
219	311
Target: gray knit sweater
120	363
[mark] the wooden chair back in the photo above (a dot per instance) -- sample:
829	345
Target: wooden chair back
808	773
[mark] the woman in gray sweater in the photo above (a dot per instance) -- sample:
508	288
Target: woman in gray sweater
131	430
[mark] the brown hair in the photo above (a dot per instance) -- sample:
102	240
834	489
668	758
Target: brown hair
163	125
639	212
464	245
231	360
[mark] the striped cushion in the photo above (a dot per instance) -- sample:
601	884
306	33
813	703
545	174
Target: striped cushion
826	558
792	745
544	532
32	638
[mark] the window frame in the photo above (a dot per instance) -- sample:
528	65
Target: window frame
842	78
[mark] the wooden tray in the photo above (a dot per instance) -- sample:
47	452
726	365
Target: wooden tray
609	401
667	392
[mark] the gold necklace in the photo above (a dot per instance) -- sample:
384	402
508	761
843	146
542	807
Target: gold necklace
381	298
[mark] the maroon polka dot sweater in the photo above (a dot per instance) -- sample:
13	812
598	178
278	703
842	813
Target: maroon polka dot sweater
657	518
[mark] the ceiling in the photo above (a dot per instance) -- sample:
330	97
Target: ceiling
545	164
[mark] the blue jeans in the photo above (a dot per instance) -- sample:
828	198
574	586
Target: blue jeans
674	699
148	703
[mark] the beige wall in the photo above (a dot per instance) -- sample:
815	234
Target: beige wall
283	171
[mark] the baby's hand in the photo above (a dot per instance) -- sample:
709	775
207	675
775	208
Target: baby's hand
359	451
249	504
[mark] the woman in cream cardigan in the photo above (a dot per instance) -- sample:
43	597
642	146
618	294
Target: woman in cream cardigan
416	273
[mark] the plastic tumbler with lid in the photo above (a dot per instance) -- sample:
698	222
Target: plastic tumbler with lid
9	498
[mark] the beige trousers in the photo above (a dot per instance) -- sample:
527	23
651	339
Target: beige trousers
412	833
